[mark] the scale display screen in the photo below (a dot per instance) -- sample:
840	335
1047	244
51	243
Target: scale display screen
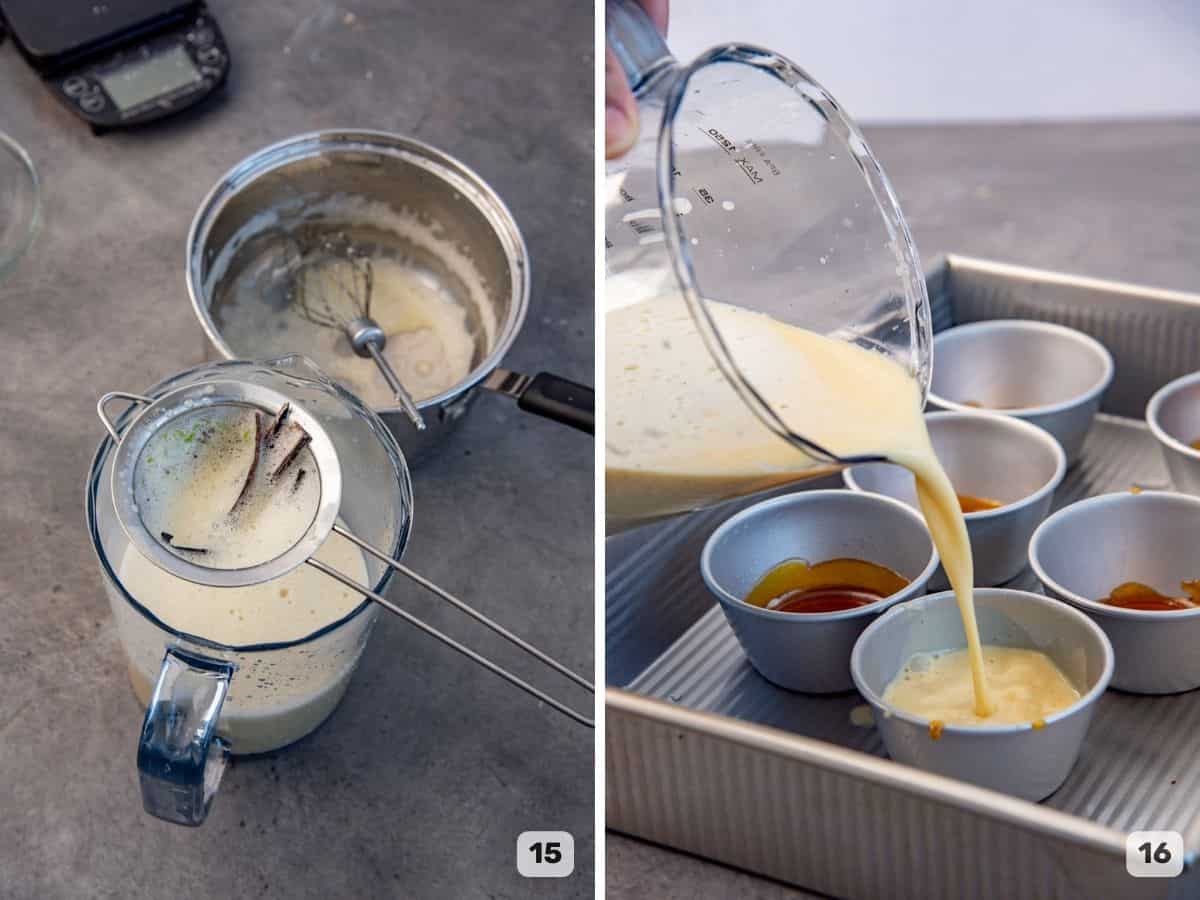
138	82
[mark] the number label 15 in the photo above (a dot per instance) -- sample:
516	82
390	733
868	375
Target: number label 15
1154	854
545	854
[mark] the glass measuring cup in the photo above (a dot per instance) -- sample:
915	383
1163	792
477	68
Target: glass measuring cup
206	699
749	188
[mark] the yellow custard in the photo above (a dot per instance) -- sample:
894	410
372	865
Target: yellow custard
1024	685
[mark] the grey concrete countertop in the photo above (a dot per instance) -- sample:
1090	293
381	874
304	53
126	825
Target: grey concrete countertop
420	782
1111	200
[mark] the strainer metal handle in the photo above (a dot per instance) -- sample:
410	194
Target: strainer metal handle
450	642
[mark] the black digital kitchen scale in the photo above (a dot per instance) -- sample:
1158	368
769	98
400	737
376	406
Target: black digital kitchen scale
120	62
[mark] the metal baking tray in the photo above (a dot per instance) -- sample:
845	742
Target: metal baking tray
704	755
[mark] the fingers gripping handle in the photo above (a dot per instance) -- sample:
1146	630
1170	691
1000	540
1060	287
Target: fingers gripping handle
180	759
635	42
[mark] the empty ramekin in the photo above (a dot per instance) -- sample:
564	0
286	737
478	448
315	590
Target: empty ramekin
1047	374
1086	549
1173	415
811	651
1020	759
998	457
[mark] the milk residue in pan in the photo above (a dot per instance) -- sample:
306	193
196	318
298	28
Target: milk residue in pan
429	341
434	341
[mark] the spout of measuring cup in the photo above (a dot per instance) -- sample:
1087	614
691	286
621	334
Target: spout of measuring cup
635	42
180	759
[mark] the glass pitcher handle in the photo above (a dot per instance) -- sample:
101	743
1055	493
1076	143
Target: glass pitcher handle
639	48
180	759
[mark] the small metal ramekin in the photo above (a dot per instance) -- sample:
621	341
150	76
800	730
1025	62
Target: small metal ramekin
985	455
1047	374
1173	415
811	651
1022	760
1086	549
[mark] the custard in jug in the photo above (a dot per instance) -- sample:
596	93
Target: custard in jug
292	694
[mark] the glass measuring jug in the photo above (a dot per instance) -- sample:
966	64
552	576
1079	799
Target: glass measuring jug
750	197
206	698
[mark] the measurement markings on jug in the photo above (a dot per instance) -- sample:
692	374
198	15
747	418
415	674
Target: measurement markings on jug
748	168
766	160
720	140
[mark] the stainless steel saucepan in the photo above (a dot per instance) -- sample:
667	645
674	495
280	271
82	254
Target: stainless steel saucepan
395	196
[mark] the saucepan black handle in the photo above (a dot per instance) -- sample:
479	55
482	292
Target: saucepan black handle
561	400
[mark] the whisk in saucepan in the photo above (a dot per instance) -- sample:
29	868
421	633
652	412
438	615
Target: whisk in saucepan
331	286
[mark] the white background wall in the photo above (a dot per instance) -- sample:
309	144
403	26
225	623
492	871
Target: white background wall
923	60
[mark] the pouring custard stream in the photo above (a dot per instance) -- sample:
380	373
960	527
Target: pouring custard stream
679	437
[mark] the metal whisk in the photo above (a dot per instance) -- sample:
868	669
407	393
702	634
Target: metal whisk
344	280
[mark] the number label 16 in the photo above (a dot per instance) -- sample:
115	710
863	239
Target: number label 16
545	854
1154	854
